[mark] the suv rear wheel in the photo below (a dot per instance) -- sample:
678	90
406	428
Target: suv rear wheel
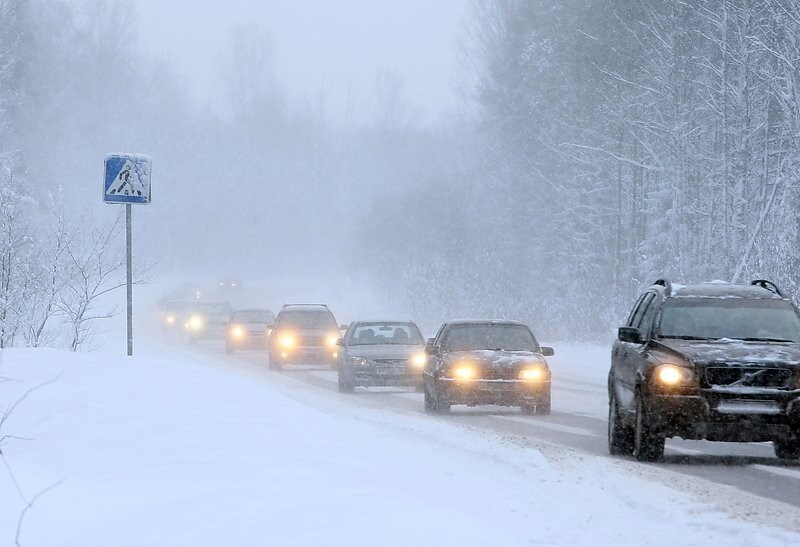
648	446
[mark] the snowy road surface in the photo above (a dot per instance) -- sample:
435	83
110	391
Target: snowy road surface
188	446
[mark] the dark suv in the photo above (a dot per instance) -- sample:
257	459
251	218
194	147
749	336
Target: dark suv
712	361
304	334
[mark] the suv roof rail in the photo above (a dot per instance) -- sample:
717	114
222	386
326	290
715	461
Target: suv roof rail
766	284
666	284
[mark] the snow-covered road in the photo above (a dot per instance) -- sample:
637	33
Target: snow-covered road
187	446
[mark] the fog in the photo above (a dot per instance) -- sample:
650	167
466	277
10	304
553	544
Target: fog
528	159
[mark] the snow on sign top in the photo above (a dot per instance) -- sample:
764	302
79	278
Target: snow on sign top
127	178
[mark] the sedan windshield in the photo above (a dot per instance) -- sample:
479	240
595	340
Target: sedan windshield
739	318
490	336
371	334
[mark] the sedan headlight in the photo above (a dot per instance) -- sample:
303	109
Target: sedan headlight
419	359
533	373
170	319
237	331
669	375
464	371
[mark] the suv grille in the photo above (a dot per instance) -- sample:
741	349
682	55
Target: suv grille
749	377
307	341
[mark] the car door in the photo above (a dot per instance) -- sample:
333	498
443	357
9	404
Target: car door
626	356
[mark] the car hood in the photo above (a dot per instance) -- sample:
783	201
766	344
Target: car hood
496	358
734	351
384	351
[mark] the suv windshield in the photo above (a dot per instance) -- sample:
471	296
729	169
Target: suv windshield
493	337
740	318
308	319
215	308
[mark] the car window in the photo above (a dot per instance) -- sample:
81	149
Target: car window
636	317
221	308
385	333
307	319
738	318
490	337
646	322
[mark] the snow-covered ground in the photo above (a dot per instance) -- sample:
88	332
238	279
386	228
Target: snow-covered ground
177	448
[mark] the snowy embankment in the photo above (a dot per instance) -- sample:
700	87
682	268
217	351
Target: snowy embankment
141	451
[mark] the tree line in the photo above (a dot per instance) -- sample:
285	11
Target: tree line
602	145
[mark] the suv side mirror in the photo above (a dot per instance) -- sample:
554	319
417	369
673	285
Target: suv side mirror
430	349
343	327
629	334
547	351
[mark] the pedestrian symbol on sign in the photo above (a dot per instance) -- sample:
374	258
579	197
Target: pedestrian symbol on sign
127	179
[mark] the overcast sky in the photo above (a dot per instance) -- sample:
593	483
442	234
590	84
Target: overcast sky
342	43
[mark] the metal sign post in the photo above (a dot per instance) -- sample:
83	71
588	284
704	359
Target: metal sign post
127	180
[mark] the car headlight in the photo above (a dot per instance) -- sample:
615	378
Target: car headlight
357	361
287	341
170	319
331	340
419	359
533	373
237	331
673	375
195	322
464	371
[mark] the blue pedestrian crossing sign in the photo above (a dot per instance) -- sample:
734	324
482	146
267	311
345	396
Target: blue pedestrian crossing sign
127	178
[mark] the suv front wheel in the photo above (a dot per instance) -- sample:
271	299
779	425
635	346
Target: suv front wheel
648	446
620	436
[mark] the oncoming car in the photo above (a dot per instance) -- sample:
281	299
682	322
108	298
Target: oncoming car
381	353
714	361
175	312
486	362
247	329
208	320
304	334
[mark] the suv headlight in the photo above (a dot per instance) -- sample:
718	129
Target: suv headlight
287	341
196	322
669	375
357	361
237	331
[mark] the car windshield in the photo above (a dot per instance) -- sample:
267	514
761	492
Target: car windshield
490	336
178	307
253	316
738	318
308	319
215	308
371	334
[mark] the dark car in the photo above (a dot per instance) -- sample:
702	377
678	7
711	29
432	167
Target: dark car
304	334
714	361
381	353
486	362
247	329
208	321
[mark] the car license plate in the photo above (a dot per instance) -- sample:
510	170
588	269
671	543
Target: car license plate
388	371
748	407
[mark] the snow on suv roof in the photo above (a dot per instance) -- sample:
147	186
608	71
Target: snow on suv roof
718	289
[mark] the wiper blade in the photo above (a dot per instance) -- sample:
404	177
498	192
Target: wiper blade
686	337
762	339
